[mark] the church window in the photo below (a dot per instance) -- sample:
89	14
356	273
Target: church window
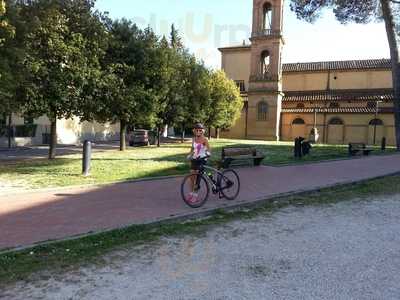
376	122
336	121
298	121
241	85
262	111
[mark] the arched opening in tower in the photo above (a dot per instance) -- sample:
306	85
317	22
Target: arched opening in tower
267	17
265	62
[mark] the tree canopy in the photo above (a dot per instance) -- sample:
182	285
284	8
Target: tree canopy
128	77
62	47
68	60
226	102
6	29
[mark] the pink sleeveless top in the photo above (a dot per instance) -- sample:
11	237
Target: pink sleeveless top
199	150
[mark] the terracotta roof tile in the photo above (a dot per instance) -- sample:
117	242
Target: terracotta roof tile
338	110
235	48
338	65
340	95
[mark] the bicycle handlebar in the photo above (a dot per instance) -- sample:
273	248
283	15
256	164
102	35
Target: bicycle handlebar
202	158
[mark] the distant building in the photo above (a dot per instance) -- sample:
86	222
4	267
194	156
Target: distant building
347	101
27	131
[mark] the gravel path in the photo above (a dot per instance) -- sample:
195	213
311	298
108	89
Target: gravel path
348	250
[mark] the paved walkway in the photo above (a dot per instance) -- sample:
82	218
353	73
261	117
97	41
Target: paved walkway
35	217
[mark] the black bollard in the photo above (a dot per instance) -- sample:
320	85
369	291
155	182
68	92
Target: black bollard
305	148
87	155
383	145
297	147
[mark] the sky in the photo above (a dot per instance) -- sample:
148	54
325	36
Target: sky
206	25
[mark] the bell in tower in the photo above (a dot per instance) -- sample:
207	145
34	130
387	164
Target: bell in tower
265	83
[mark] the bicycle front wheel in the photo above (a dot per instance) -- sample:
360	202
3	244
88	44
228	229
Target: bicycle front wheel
195	190
229	184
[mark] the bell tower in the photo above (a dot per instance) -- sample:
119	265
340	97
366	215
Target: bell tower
265	83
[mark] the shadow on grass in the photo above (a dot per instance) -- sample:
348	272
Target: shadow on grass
134	165
275	154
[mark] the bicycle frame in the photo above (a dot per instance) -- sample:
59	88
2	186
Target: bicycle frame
204	178
215	184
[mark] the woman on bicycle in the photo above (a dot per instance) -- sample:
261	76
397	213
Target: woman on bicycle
199	152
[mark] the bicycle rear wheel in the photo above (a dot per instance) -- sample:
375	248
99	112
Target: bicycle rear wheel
195	190
229	184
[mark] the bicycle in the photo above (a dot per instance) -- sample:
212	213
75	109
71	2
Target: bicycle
226	184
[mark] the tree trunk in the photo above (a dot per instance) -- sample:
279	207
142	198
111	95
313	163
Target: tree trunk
53	138
122	136
9	129
158	136
394	54
183	135
209	133
217	133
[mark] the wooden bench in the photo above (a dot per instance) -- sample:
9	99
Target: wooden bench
355	148
233	154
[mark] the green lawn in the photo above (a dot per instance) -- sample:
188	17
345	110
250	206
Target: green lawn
112	166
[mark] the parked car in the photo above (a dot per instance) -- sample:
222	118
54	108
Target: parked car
141	137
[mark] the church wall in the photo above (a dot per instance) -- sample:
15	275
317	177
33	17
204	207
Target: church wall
236	65
360	80
355	128
305	81
380	80
266	129
238	130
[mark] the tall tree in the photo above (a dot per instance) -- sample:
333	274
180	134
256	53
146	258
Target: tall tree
363	12
175	39
60	58
125	86
196	89
167	87
226	102
11	59
174	86
191	91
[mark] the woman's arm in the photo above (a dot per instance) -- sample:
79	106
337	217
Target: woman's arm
191	151
207	144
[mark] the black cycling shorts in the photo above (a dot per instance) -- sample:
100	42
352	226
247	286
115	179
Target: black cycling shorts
197	163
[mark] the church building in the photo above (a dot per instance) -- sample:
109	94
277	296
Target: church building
346	101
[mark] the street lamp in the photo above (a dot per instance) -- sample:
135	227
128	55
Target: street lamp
376	116
314	135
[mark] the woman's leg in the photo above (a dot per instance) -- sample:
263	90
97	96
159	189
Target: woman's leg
193	179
